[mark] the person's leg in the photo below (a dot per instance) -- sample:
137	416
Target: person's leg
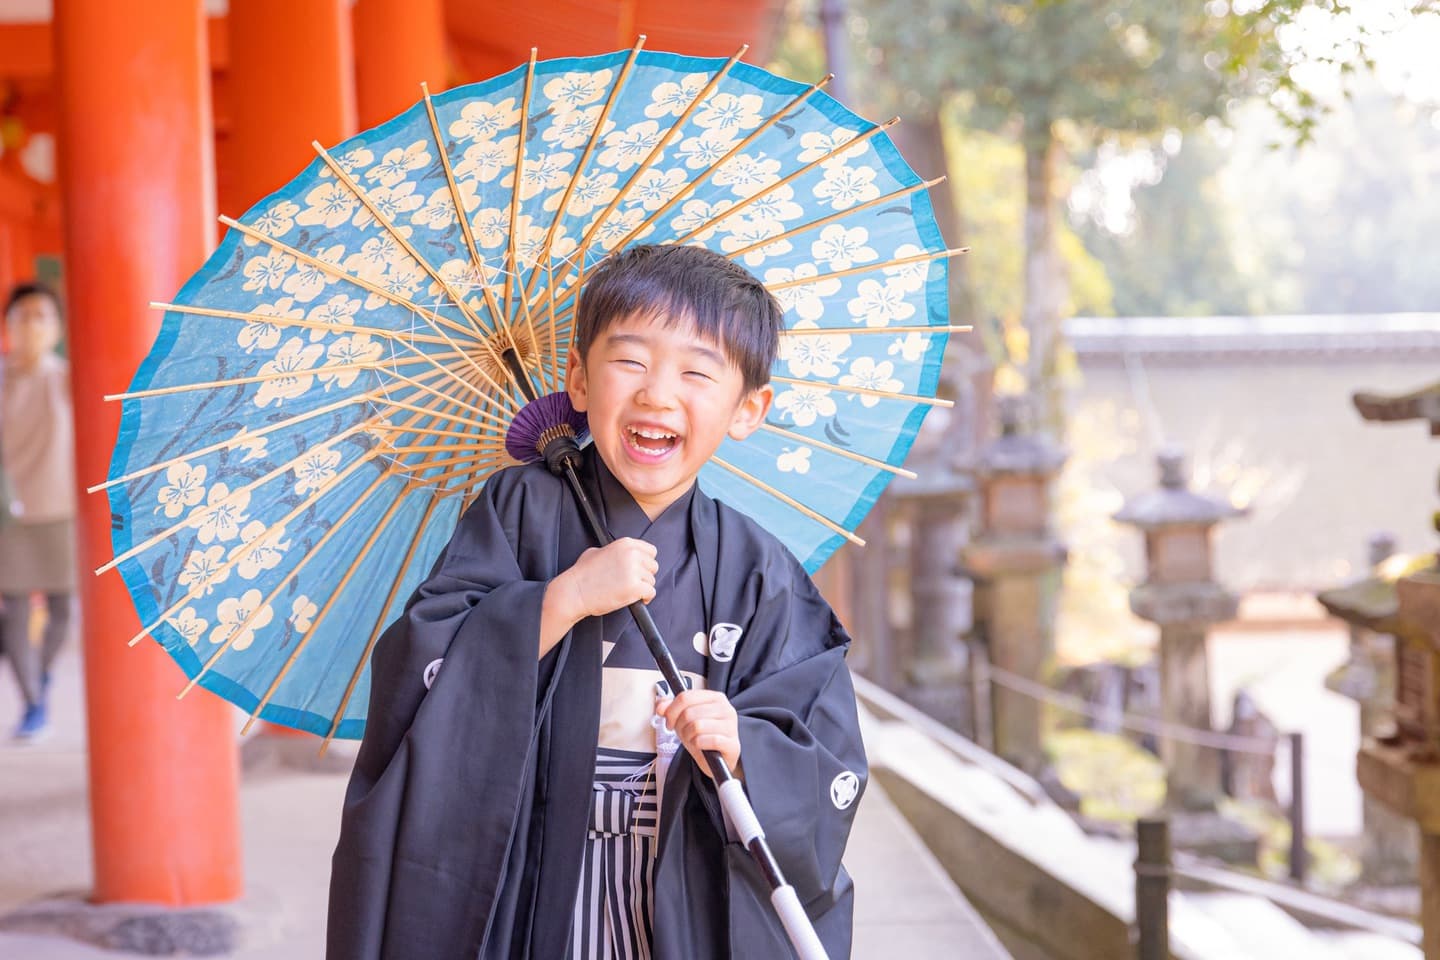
22	654
58	606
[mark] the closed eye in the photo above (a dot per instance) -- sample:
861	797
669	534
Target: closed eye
698	373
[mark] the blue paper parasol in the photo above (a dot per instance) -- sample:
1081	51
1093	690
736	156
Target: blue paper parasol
327	394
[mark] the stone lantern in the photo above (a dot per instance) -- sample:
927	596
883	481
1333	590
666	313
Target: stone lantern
1015	561
941	596
1389	842
1180	595
1400	769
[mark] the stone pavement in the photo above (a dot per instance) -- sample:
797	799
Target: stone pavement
905	904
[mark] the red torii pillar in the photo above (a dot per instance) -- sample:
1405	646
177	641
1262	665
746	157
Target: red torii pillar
291	81
135	141
398	45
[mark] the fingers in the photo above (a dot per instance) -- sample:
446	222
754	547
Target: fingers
704	720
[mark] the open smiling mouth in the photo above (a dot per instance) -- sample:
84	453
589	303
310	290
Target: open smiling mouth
650	442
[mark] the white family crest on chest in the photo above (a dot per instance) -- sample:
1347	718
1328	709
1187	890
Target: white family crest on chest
844	789
432	669
720	644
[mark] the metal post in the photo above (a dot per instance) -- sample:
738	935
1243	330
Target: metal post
982	720
1152	889
1298	858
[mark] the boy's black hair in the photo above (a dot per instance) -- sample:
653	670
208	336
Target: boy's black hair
685	284
22	290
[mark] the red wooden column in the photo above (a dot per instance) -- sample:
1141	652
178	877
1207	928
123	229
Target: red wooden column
291	81
398	45
135	144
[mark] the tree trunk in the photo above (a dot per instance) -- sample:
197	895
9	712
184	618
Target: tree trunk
967	376
1044	276
837	50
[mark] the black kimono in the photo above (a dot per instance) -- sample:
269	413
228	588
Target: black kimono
470	800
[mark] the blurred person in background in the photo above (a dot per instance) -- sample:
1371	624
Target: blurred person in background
37	498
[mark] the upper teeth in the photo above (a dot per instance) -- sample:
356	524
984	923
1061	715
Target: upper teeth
651	434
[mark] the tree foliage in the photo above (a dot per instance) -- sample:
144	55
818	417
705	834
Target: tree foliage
1343	225
1176	256
1100	65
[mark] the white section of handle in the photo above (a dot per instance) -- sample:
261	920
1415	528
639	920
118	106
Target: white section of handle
739	812
797	924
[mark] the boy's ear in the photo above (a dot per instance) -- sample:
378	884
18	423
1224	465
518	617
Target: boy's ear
575	383
751	412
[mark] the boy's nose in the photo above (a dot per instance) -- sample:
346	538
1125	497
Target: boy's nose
657	391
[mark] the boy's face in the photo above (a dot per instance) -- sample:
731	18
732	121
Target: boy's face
33	326
660	399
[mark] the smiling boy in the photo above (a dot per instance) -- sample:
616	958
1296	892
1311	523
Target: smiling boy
510	798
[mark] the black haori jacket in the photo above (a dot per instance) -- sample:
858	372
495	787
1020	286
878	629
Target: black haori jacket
469	804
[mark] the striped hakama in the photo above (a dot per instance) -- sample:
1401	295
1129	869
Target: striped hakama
613	907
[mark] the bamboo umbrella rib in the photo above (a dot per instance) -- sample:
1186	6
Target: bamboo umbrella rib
440	447
653	155
417	482
202	513
244	550
336	368
363	195
566	315
502	322
460	420
295	322
554	364
831	218
325	267
838	451
235	442
512	249
461	381
431	431
285	581
494	421
466	230
866	391
593	139
790	501
794	175
478	459
799	332
465	384
380	618
478	333
389	599
866	268
248	437
334	594
689	186
435	321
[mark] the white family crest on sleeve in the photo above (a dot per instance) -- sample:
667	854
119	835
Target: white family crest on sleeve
844	789
431	670
723	638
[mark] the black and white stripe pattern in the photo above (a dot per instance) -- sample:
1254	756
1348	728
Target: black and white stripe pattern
614	904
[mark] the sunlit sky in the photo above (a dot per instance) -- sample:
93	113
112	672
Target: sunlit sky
1402	45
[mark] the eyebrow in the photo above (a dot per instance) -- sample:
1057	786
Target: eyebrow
644	341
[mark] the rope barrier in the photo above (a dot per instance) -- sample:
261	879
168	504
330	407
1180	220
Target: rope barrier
1130	721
